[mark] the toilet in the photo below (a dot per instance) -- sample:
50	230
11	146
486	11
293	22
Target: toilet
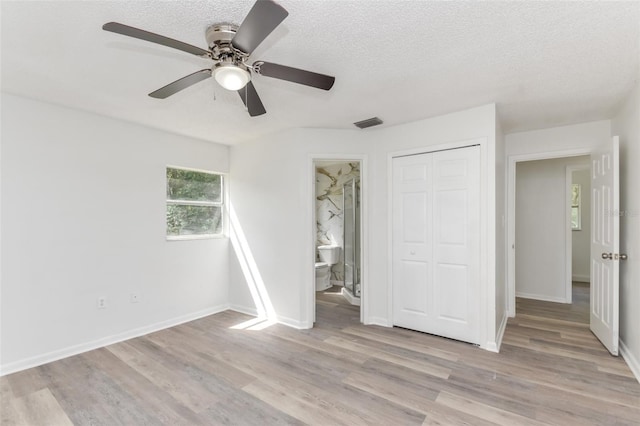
329	255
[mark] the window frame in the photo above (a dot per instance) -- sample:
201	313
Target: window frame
222	204
576	205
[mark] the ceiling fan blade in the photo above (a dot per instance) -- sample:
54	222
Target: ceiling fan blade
294	75
183	83
118	28
262	19
251	100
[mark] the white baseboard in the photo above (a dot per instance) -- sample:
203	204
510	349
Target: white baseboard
501	329
336	282
632	361
349	297
289	322
491	347
581	278
105	341
384	322
293	323
244	310
541	297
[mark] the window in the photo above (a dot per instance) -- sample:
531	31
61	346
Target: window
576	223
194	203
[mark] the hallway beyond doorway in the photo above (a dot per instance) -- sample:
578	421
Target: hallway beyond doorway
577	312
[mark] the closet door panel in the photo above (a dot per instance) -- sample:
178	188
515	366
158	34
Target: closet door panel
412	230
441	233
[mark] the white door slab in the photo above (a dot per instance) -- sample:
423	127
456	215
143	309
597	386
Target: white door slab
436	243
412	230
605	207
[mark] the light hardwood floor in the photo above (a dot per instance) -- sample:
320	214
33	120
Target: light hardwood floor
551	370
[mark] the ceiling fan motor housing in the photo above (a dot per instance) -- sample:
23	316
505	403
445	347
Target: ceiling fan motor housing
229	70
219	38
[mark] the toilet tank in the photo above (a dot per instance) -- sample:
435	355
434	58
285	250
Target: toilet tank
329	254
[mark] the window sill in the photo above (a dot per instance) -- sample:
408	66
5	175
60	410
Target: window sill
195	237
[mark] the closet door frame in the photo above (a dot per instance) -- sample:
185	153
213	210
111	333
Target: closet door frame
436	264
487	290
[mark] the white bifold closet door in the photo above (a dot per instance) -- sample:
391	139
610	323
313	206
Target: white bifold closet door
436	243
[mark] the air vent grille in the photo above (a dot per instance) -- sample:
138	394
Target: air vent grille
369	122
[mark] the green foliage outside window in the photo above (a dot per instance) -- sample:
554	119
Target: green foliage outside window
194	202
576	222
190	185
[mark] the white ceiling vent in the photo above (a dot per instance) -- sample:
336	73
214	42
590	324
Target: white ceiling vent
369	122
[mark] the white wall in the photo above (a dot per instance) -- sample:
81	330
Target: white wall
472	124
559	139
542	227
277	171
501	234
581	239
272	193
83	216
626	124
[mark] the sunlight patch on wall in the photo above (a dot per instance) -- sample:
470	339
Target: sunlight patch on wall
266	313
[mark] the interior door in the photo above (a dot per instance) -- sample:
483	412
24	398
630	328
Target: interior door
436	244
605	207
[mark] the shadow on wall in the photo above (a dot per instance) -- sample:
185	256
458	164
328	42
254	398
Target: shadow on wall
266	313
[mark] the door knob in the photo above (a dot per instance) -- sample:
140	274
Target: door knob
607	256
623	256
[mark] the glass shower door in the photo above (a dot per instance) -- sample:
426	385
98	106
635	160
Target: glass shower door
351	217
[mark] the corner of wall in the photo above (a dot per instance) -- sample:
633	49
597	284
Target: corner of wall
501	231
491	346
632	361
294	323
502	327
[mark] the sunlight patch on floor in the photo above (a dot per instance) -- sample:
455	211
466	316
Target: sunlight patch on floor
254	324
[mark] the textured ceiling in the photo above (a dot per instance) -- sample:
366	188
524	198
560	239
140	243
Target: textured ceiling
542	63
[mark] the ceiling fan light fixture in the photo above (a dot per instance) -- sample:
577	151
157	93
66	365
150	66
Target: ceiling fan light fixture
231	76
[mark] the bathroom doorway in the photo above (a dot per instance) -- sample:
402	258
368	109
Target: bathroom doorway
338	236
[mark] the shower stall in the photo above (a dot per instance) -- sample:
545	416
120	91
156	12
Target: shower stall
351	228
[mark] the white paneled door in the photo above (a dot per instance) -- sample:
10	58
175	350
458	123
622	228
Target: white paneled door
605	256
436	243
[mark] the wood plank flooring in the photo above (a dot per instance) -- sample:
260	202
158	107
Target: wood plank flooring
551	370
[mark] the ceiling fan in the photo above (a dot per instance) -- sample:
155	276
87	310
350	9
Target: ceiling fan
229	48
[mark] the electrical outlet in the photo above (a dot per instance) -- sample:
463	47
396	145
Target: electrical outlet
134	297
102	302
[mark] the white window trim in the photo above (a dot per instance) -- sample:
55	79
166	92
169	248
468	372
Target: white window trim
222	204
196	203
195	237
